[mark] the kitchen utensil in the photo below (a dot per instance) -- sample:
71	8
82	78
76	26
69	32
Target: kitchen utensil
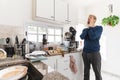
7	40
17	41
10	51
68	36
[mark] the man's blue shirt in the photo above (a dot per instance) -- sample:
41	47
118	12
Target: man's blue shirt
91	38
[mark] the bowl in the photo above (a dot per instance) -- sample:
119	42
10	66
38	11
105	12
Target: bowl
13	72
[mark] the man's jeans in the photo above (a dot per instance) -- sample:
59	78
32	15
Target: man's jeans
95	60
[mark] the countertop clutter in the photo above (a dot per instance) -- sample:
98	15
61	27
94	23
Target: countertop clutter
36	70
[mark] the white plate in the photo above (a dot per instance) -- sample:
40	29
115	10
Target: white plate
4	52
30	57
35	58
38	52
13	73
35	55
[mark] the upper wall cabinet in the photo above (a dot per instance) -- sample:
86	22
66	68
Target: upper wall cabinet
45	9
55	11
72	14
60	10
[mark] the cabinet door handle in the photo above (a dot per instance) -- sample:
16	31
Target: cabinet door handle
66	20
69	21
66	69
52	17
54	67
56	64
65	60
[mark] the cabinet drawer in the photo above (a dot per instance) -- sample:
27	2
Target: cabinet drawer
63	63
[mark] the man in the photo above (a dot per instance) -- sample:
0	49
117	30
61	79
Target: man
91	54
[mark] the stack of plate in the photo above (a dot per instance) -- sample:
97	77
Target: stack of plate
36	55
13	73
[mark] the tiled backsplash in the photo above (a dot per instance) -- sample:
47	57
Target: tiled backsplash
12	32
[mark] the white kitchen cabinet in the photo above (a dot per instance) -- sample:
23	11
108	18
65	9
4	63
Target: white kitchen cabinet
45	9
60	10
51	62
61	64
53	11
79	64
72	14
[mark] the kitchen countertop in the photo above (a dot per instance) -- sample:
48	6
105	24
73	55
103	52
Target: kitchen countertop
11	61
47	76
80	50
40	66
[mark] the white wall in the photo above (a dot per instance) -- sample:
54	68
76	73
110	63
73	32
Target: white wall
15	12
13	15
12	32
82	18
112	35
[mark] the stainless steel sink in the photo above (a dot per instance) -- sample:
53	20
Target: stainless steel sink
33	73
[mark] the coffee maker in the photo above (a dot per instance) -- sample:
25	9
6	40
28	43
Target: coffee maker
70	38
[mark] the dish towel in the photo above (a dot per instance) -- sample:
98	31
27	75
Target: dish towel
73	66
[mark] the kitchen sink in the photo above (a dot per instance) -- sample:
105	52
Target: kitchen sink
33	73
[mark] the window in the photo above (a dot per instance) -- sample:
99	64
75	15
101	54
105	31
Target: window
41	31
58	33
51	36
35	33
54	35
32	33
